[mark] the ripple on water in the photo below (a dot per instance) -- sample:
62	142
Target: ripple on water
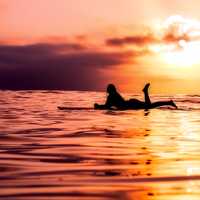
50	154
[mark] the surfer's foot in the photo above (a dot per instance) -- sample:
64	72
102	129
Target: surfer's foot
173	104
146	87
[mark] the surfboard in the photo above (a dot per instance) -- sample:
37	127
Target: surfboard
88	108
113	109
75	108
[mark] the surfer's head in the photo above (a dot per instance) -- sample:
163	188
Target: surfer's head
111	89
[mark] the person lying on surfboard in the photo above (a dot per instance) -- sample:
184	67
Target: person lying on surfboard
115	100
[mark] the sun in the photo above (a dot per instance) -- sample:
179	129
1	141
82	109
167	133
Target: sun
186	56
181	47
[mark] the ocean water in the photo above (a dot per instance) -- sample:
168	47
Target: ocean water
46	153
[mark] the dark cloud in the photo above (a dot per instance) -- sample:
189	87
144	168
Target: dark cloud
137	40
72	65
56	66
168	37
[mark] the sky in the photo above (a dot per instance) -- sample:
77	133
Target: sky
86	44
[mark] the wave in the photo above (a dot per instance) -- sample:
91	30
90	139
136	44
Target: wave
188	100
194	95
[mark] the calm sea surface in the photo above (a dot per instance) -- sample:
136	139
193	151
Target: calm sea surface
46	153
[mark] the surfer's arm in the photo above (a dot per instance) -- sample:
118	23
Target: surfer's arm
99	106
107	105
109	102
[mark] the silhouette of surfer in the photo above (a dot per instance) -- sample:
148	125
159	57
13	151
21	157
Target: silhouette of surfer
115	100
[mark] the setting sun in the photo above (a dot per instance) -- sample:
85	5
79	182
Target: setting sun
178	42
186	33
185	57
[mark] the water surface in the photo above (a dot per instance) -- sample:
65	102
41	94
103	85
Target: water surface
46	153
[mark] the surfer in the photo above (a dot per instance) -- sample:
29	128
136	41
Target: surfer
115	100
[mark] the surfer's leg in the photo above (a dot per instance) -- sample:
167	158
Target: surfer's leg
135	104
146	94
149	105
163	103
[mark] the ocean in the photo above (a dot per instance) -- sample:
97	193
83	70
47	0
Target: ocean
78	154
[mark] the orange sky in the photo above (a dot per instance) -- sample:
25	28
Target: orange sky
156	41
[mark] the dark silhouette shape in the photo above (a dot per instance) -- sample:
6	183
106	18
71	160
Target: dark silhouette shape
115	100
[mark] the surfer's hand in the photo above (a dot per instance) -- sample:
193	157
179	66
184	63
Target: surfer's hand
96	105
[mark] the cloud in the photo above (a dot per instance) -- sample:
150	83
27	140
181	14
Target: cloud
168	37
56	66
61	63
137	40
172	31
172	38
